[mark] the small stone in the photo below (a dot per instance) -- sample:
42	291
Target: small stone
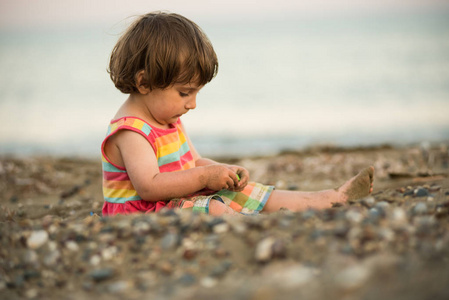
101	274
382	205
187	279
398	215
420	192
279	249
208	282
264	250
95	260
118	286
353	277
221	228
369	201
292	276
221	269
52	258
374	214
170	240
37	239
420	208
189	254
166	267
238	227
72	246
31	293
408	192
30	257
354	216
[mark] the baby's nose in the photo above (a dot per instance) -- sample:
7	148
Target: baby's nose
191	104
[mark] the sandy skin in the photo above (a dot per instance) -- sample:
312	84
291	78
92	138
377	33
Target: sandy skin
359	186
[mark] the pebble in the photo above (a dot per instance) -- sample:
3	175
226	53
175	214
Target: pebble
170	240
187	279
398	215
264	249
51	258
420	192
37	239
221	228
208	282
382	205
354	216
374	214
293	276
420	208
31	293
101	274
369	201
117	287
166	267
221	269
31	257
352	277
72	246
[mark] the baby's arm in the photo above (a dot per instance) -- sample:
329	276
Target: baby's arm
141	164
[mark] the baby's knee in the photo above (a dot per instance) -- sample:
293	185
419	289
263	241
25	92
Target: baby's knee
218	208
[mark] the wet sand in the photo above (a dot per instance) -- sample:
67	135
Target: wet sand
393	244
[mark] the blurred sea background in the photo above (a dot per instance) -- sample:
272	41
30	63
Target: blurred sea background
290	76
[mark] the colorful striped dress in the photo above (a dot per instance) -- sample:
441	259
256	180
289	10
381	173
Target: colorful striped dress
172	153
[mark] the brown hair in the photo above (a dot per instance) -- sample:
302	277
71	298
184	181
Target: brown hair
168	47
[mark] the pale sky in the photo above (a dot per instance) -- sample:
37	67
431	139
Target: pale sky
31	13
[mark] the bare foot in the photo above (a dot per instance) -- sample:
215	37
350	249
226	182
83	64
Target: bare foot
359	186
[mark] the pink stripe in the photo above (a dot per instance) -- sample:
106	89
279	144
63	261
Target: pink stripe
186	158
171	167
117	176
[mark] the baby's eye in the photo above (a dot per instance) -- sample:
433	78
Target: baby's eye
183	94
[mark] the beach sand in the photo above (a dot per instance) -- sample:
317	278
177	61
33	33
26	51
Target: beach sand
391	245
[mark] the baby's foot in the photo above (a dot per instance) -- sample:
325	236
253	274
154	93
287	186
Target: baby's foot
359	186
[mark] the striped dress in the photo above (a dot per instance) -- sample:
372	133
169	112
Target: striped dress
172	153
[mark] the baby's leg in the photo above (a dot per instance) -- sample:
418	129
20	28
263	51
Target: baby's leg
357	187
218	208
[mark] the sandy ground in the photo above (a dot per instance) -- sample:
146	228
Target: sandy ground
391	245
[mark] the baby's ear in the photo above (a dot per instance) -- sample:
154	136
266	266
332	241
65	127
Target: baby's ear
142	88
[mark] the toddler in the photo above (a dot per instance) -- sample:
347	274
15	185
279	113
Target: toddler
162	61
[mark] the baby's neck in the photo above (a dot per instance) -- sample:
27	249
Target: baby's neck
133	107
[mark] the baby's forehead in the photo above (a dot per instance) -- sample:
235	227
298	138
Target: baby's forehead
190	85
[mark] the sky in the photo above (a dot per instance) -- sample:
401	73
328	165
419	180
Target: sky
31	13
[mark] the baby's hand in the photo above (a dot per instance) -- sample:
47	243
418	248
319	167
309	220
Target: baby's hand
243	175
219	177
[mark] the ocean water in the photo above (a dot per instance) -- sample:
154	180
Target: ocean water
282	84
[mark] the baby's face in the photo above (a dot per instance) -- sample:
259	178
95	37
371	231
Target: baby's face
167	105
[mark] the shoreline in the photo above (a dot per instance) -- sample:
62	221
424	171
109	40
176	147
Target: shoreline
392	244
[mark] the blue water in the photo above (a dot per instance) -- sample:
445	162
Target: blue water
282	84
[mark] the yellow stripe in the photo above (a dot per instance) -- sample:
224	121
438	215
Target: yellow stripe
168	149
138	124
113	127
182	138
118	193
